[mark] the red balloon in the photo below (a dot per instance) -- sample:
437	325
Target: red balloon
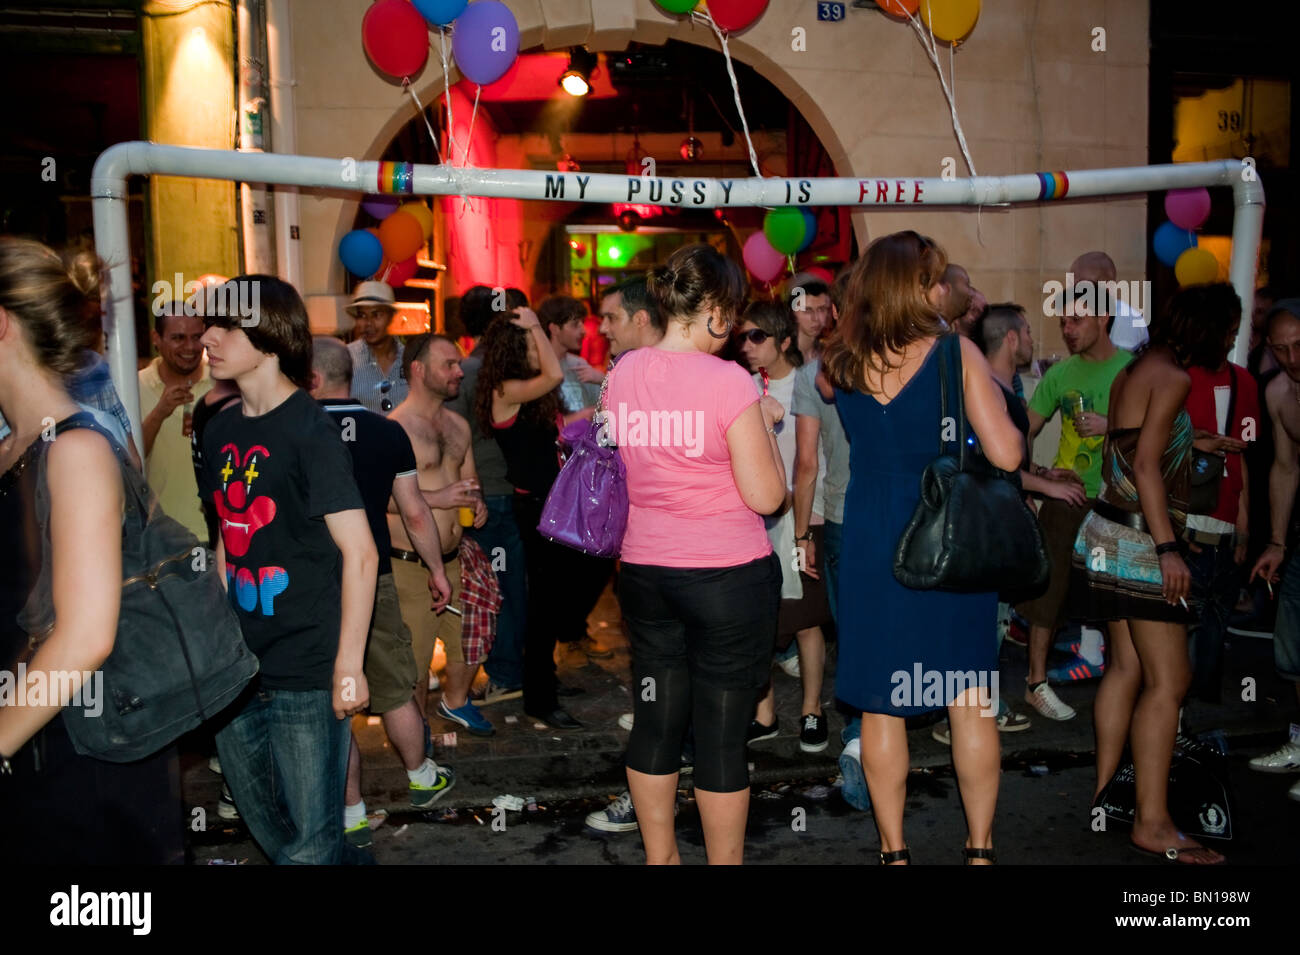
401	236
735	15
899	9
817	272
396	37
401	271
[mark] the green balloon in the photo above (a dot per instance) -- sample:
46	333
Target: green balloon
785	228
678	6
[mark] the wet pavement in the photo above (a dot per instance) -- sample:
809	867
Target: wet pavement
797	814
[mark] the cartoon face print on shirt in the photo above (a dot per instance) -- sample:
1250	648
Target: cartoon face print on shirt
243	512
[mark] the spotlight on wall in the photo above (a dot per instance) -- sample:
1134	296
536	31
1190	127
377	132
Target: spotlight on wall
576	80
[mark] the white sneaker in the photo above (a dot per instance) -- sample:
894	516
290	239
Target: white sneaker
625	722
790	666
1285	759
1044	699
1294	791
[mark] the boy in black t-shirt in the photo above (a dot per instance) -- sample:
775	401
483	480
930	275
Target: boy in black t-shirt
299	563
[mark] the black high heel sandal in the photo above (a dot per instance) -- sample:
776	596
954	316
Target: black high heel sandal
898	855
973	853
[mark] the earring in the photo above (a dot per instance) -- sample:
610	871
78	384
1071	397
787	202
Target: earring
708	327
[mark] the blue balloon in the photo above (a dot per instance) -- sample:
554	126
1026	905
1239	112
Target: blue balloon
361	252
1170	242
809	228
440	12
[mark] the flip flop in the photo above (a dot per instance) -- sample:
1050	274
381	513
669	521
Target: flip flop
1174	854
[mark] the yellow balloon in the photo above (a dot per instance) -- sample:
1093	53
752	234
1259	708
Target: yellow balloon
420	212
950	20
1196	267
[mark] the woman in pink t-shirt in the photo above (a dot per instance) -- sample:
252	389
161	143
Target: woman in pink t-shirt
700	587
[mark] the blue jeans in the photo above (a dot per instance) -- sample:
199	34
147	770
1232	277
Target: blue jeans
505	662
1215	578
285	757
833	543
1286	634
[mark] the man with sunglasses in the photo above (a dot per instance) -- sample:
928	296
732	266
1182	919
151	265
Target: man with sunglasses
377	379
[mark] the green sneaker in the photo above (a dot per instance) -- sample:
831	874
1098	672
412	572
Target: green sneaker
422	797
359	835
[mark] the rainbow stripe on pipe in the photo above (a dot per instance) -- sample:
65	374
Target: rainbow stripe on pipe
1053	185
396	177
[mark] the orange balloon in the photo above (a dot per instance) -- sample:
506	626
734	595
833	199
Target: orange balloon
422	214
899	9
401	236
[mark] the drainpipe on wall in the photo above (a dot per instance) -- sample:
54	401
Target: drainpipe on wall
279	45
254	111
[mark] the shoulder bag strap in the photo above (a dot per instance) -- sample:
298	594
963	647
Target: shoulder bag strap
952	396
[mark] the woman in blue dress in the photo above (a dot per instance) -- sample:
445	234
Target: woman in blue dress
905	651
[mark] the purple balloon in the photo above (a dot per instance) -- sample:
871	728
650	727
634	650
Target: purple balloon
381	207
1187	208
485	41
764	262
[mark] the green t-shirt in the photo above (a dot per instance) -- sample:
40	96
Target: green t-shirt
1091	379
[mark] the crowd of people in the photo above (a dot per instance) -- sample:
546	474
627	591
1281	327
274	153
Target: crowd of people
366	502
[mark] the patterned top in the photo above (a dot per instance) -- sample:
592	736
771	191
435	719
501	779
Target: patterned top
379	392
480	598
91	386
1120	488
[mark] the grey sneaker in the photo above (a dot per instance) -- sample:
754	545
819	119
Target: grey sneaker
1044	699
618	816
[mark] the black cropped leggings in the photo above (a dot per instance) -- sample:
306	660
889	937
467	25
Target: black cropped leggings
702	640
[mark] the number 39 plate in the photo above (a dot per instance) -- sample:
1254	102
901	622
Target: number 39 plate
830	11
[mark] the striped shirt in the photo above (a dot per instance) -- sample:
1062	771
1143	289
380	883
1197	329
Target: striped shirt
378	391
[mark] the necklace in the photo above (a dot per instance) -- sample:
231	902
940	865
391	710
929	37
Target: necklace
1295	391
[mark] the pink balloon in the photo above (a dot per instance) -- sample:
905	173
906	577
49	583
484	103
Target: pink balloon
764	262
402	271
1187	208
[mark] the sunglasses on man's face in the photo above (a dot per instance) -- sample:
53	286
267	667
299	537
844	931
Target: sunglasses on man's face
386	403
755	335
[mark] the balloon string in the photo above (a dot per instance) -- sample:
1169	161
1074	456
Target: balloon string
928	44
735	86
464	159
446	87
406	84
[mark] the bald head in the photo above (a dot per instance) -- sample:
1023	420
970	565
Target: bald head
331	360
1094	267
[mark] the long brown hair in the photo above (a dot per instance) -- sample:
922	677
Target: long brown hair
505	358
885	308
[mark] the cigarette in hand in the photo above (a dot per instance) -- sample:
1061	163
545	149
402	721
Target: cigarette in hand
1183	601
1270	588
453	610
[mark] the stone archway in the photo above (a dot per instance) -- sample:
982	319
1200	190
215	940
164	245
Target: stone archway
608	26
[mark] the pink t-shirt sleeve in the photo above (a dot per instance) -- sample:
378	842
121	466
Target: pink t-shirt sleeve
734	393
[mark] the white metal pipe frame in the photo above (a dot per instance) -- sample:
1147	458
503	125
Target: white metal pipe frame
108	191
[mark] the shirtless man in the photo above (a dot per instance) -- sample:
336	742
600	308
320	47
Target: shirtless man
1283	398
448	481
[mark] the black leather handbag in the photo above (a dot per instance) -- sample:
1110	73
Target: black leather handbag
971	531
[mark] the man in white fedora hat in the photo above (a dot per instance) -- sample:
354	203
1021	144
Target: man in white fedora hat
377	380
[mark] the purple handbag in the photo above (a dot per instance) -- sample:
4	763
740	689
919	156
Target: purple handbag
587	506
